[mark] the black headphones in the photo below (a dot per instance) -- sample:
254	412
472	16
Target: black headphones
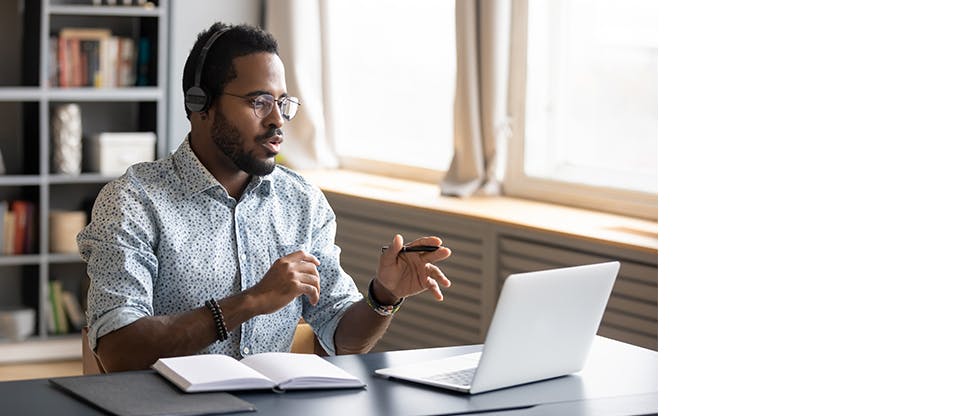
196	99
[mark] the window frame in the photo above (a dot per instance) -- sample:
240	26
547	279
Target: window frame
518	183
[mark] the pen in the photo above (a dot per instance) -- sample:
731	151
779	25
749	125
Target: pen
413	249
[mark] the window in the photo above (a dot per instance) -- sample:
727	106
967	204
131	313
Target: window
584	90
392	83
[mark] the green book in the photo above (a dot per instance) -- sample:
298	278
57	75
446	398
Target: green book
57	307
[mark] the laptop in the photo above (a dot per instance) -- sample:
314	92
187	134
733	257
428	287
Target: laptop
543	327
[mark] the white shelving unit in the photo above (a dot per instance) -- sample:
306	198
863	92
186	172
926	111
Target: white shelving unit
27	103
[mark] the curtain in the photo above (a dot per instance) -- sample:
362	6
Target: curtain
298	26
481	98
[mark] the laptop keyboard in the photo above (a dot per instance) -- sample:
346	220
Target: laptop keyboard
460	377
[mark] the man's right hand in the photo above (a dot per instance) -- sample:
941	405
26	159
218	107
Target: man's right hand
290	276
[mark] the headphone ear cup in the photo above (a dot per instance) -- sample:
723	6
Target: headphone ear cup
196	100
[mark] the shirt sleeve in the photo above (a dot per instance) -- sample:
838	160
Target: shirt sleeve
337	289
118	248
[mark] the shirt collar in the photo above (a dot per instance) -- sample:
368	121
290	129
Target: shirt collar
196	178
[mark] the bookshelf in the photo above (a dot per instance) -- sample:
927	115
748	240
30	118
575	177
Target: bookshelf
30	92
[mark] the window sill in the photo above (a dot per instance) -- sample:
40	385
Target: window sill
611	229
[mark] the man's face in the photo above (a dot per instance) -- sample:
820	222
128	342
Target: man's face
251	143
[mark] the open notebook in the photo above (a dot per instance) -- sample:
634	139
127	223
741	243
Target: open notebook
269	370
543	327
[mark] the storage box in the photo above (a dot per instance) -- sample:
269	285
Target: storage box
64	228
112	153
16	324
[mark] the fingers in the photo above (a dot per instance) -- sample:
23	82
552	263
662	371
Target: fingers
426	241
301	255
432	285
389	256
305	279
434	280
311	289
439	276
437	255
308	277
416	273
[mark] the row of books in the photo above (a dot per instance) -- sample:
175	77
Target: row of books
18	228
63	310
93	57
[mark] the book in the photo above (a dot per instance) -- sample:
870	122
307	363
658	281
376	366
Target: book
270	370
3	227
73	309
56	293
82	64
143	61
23	227
126	62
9	225
49	313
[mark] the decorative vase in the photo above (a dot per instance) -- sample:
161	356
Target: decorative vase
66	135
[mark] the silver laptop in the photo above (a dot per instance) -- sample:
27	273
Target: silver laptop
543	327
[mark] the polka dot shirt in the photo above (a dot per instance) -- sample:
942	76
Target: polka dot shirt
166	236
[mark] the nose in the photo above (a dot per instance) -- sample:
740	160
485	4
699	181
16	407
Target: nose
275	116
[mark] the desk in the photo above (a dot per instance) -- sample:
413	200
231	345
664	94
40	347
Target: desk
618	379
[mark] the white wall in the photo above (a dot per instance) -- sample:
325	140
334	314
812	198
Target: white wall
188	19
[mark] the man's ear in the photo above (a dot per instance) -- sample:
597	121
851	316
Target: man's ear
200	118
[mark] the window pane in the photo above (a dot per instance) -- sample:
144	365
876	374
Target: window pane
392	80
591	92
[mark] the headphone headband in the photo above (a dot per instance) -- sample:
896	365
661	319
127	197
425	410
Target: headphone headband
196	99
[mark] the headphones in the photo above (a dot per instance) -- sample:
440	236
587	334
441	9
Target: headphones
196	99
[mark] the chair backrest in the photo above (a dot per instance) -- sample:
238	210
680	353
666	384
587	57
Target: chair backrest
304	341
90	363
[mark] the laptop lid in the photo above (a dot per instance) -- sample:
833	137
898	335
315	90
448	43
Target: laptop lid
544	325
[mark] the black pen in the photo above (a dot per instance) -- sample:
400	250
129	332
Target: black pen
413	249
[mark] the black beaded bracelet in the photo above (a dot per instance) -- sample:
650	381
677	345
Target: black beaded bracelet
221	333
381	309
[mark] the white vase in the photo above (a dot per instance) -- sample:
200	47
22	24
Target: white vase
66	139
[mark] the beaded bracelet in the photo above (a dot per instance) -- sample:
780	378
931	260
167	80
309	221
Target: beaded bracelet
221	333
382	310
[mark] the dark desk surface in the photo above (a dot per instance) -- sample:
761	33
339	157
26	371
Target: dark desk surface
618	379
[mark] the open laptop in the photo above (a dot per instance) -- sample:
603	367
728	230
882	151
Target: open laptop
543	327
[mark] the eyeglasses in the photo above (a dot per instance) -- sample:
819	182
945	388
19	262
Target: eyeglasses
263	105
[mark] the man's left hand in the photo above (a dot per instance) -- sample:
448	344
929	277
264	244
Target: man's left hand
400	275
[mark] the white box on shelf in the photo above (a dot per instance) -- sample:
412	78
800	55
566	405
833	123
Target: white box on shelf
113	152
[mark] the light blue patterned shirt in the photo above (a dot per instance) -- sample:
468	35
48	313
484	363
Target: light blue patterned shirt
166	236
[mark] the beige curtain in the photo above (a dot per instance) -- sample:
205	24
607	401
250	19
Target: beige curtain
481	98
298	27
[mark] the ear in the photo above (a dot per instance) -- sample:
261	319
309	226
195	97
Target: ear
200	118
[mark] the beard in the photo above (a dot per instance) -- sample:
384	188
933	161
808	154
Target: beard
228	139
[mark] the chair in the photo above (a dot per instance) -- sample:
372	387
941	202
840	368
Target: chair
304	342
90	362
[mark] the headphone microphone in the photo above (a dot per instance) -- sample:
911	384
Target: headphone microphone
196	99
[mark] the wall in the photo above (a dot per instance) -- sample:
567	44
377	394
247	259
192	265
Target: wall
484	253
189	17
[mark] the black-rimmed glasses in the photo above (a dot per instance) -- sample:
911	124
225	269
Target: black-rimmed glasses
263	104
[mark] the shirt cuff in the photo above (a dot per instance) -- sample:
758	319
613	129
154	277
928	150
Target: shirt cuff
111	321
331	327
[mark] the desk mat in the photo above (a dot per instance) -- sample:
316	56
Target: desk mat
145	393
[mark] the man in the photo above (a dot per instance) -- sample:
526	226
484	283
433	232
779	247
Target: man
214	249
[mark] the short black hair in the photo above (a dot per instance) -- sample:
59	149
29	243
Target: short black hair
239	40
